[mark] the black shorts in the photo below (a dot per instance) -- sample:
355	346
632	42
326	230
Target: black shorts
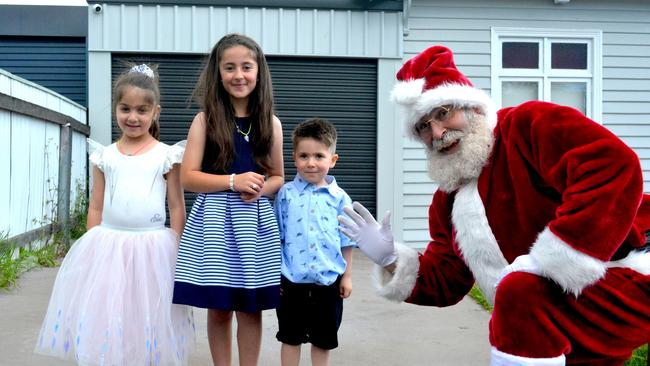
309	313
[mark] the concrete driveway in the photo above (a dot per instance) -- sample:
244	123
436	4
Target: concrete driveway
374	332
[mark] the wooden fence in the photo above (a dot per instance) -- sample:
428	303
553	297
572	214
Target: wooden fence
43	164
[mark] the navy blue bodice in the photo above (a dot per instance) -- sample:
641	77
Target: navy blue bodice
244	160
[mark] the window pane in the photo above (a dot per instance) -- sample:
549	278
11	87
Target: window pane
572	94
517	92
569	56
520	55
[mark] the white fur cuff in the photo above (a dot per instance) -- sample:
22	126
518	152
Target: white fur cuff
499	358
566	266
398	286
637	260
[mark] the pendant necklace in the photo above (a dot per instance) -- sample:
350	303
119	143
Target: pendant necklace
245	134
135	152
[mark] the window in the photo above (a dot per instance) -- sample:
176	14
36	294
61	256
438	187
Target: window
560	66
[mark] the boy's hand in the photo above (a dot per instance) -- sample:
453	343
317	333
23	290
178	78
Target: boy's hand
374	240
345	286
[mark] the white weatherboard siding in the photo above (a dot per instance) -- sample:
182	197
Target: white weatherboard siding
29	157
465	27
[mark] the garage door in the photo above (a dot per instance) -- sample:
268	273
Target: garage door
340	90
57	63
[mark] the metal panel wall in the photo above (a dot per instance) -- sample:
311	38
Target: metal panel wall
57	63
280	31
343	91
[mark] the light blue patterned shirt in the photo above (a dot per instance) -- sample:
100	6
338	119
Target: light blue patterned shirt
309	232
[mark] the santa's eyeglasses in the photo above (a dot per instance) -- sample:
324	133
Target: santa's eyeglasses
438	115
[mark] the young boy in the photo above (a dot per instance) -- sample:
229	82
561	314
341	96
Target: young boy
316	257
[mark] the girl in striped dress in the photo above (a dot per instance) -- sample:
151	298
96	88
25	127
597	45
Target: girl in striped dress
229	256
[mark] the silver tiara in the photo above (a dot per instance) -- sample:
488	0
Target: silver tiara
143	69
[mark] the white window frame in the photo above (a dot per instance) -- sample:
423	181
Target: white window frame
593	75
529	78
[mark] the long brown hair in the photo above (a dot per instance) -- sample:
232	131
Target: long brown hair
219	112
138	79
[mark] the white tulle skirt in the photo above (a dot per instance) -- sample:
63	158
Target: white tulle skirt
111	303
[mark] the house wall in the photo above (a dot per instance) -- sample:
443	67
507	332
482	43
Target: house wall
465	27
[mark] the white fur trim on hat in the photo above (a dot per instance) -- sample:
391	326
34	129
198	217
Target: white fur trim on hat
398	286
571	269
418	103
459	95
407	92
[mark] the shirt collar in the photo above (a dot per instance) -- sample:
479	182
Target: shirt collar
331	186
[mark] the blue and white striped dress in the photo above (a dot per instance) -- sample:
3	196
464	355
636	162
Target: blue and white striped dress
229	256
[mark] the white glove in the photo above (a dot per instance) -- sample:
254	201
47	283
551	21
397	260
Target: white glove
523	263
374	240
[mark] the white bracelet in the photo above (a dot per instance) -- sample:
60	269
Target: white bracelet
231	182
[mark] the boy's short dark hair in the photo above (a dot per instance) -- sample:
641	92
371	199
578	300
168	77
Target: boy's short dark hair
318	129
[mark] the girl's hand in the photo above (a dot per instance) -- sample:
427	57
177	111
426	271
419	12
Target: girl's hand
250	197
249	183
345	286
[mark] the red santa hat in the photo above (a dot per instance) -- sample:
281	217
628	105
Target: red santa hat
431	79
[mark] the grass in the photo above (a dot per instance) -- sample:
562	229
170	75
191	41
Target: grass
639	357
476	294
16	259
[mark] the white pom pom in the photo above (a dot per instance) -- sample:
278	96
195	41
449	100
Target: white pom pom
407	92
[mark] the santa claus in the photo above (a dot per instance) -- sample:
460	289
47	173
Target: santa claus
538	205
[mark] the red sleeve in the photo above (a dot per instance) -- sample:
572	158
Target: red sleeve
598	176
443	277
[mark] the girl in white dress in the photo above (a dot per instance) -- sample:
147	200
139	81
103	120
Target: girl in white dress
112	300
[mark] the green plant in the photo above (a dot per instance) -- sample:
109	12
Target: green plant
16	258
639	357
9	268
45	256
476	294
79	214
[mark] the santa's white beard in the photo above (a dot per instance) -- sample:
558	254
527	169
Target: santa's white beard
452	170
